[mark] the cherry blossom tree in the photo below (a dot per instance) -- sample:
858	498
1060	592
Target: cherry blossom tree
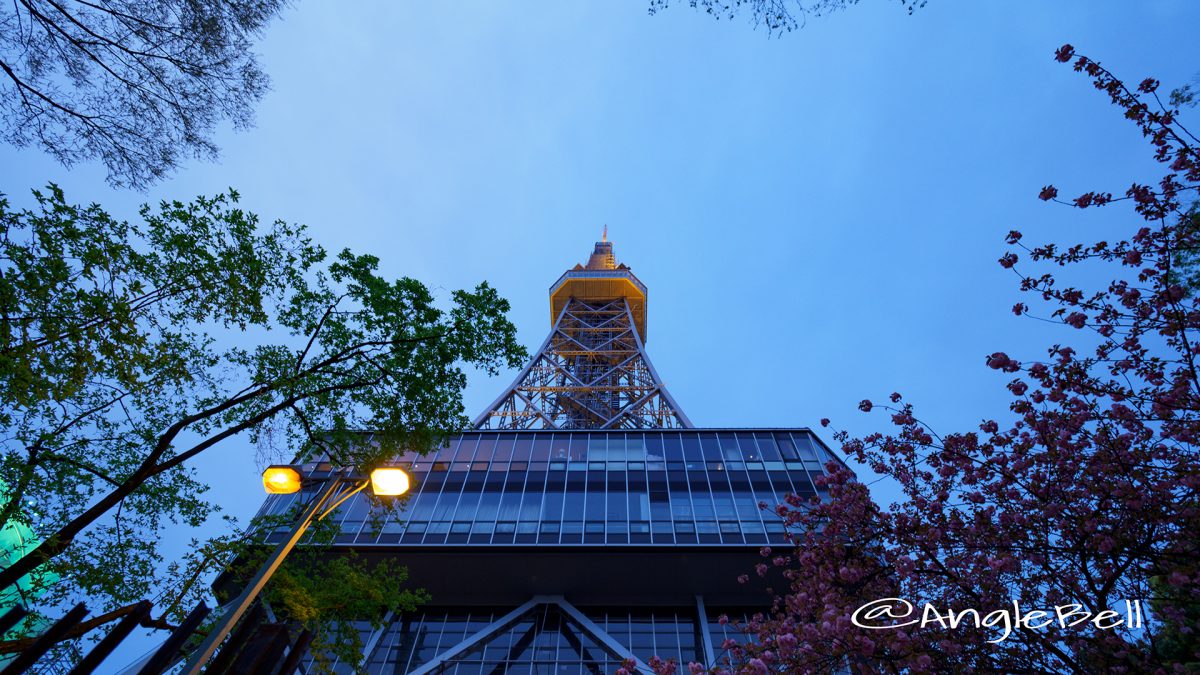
1085	495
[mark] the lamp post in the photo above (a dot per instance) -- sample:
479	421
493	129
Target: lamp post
287	479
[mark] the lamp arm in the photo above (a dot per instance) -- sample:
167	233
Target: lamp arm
342	498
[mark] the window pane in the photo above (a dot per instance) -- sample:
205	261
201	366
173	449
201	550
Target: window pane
486	448
672	447
597	448
504	449
523	448
541	448
709	448
635	447
560	447
766	445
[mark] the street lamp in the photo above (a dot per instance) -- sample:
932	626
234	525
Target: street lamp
281	479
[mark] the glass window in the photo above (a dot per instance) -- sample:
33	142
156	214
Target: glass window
654	447
466	448
573	505
510	506
756	527
804	446
597	448
531	505
552	506
786	447
762	489
560	447
747	506
673	447
709	449
749	449
594	510
639	506
635	447
445	506
489	504
446	452
691	448
703	506
660	505
579	447
766	445
724	506
729	447
486	447
504	449
681	505
523	448
618	508
422	506
783	486
618	451
541	448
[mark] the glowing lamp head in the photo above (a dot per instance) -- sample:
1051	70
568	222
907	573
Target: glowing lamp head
281	479
389	481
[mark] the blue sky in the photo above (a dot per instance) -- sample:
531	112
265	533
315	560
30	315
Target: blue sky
817	215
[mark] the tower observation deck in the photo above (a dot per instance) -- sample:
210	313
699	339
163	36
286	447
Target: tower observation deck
592	371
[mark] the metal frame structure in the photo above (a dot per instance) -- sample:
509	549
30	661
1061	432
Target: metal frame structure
476	641
592	372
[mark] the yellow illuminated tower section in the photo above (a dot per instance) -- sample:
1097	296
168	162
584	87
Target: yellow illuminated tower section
592	371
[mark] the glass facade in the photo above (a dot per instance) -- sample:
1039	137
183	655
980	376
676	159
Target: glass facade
538	510
563	488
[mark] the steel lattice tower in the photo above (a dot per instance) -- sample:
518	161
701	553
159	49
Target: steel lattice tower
592	372
584	521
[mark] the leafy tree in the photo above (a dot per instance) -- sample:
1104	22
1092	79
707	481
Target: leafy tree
120	363
1088	495
138	84
1185	96
776	15
301	592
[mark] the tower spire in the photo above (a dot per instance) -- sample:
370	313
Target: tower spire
592	372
